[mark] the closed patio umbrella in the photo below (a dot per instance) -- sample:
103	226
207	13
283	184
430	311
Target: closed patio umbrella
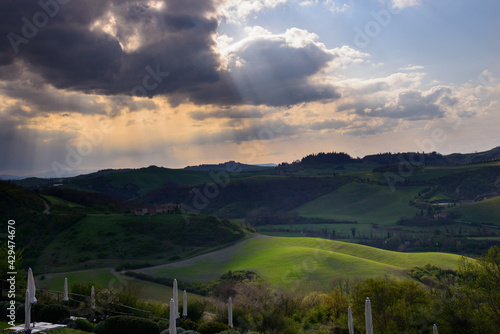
173	318
92	298
66	295
350	322
230	313
31	286
176	299
31	289
185	305
368	316
435	329
27	312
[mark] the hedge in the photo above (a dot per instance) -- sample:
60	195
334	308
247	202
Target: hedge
129	325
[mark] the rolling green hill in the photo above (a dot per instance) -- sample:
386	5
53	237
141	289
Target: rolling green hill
484	212
364	203
108	240
309	262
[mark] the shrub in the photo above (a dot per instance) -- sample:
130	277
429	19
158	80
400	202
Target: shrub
4	312
187	324
162	325
84	325
53	313
20	312
129	325
180	331
98	328
195	310
212	327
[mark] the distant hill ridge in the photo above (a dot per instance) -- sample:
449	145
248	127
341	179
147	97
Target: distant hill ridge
228	166
433	158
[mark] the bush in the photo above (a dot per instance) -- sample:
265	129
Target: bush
212	327
4	312
180	331
195	310
162	325
129	325
84	325
20	312
187	324
53	313
98	328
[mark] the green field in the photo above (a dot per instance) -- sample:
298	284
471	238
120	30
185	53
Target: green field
52	200
108	240
309	262
107	279
364	203
484	212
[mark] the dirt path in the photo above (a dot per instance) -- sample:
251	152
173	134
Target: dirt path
47	207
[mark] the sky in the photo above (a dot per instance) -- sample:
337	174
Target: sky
88	85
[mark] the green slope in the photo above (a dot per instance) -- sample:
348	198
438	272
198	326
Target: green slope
107	279
131	183
288	262
109	240
484	212
364	203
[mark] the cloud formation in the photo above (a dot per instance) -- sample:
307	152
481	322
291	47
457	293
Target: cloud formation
160	48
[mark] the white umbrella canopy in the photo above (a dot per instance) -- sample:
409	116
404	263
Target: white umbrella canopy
176	299
368	316
92	298
230	313
350	322
27	311
66	294
435	329
173	318
31	286
185	305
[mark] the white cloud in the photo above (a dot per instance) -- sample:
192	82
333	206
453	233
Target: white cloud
405	3
334	8
237	11
308	3
411	67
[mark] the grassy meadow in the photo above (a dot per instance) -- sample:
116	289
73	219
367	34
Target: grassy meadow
483	212
364	203
109	240
107	278
311	262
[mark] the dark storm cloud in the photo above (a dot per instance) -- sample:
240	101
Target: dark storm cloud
68	54
169	51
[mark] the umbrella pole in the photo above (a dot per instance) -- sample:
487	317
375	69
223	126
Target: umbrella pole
32	317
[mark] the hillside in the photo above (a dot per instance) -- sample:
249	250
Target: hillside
111	240
364	203
228	166
484	212
308	262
